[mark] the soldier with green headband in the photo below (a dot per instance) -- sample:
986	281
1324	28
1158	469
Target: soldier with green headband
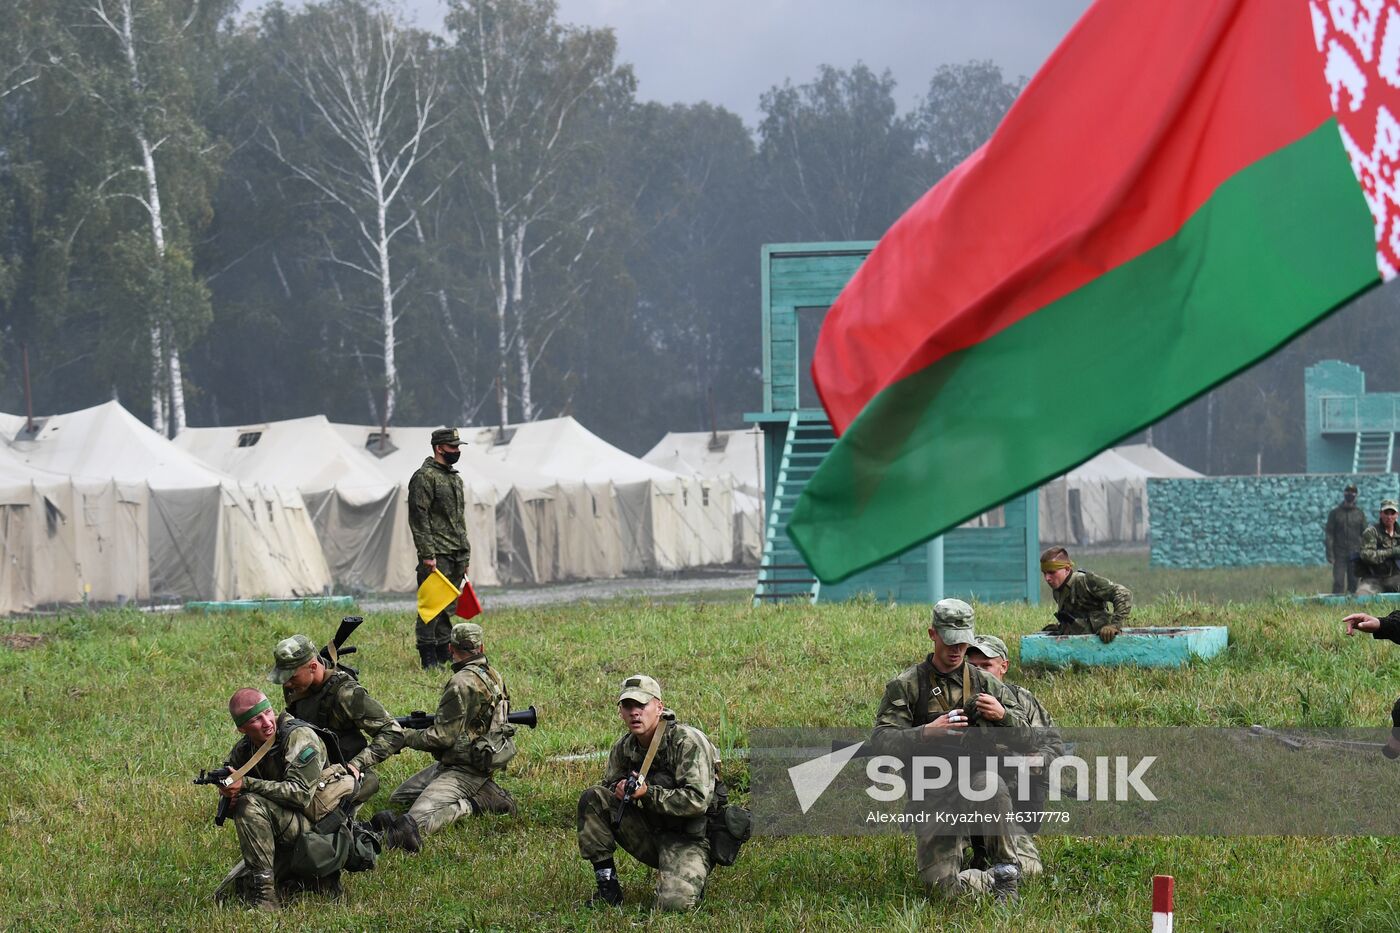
278	763
1085	603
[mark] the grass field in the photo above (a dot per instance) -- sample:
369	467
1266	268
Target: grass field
108	718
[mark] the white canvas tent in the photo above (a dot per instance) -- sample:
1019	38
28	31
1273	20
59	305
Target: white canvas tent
1101	501
209	536
1157	464
501	523
66	541
733	457
668	521
360	516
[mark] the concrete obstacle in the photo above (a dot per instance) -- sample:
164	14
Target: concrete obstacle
1334	599
1135	647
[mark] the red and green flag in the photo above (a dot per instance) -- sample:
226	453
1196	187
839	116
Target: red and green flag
1182	188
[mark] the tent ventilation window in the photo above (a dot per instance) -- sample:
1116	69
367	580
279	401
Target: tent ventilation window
685	496
704	495
379	444
595	505
503	436
249	438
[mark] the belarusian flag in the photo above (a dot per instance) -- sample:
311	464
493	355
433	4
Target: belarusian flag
1184	186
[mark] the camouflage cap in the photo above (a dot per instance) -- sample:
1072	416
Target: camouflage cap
446	436
952	619
1388	505
991	646
290	654
467	636
641	688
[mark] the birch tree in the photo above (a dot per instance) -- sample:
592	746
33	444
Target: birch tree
137	63
529	90
370	93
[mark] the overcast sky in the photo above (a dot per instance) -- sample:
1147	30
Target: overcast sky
729	52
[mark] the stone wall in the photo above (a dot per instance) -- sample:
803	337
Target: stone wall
1242	521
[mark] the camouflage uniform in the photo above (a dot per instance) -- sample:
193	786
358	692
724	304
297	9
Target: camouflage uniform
1085	597
1049	745
470	717
664	828
898	727
342	705
438	519
1345	525
270	810
1379	572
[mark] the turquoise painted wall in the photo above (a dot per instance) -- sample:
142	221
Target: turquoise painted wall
1243	521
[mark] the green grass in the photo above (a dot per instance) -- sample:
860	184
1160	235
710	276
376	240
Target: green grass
108	719
1218	584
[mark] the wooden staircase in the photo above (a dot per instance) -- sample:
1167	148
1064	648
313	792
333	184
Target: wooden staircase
782	573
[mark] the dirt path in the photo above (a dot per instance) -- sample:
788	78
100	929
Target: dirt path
727	582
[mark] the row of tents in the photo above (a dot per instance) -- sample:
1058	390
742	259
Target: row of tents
96	506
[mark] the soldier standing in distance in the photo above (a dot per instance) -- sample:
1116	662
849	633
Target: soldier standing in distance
1380	546
334	700
665	825
1345	524
1082	599
437	516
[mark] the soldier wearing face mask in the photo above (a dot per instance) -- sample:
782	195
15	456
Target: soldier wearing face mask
437	517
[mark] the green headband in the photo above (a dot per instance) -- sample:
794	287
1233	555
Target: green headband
241	719
1050	566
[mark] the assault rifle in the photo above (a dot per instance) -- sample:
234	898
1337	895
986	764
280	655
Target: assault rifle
421	719
216	777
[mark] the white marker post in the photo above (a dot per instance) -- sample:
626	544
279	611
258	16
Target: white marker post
1162	903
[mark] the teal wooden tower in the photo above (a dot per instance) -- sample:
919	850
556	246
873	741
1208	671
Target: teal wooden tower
1349	430
995	561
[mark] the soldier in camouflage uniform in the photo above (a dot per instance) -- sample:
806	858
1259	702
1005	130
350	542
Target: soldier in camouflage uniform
665	825
437	517
927	703
469	737
1345	525
1380	547
1085	603
988	653
269	803
334	700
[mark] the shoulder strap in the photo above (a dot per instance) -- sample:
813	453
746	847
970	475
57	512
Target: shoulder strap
652	749
252	763
924	676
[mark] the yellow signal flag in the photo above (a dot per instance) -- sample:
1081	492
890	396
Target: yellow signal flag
435	594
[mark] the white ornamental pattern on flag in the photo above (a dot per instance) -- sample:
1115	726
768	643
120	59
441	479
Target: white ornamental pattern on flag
1359	41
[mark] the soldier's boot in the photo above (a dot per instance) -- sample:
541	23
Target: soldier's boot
493	798
234	883
427	656
262	891
1006	882
609	891
443	656
330	886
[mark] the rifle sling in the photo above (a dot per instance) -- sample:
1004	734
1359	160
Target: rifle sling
652	749
258	756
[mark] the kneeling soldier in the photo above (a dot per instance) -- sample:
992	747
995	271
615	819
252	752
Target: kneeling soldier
664	822
269	803
470	738
334	700
932	702
1083	599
